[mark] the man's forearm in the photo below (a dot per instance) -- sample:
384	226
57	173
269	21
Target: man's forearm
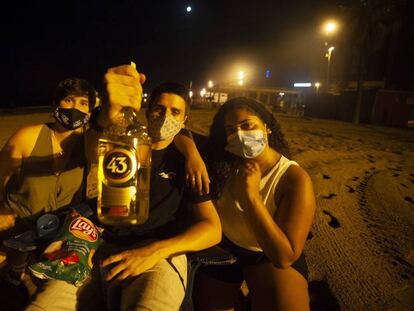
200	236
203	233
185	144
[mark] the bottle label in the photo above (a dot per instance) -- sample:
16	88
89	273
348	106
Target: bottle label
116	200
119	165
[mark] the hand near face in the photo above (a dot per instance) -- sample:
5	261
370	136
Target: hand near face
124	89
247	181
131	263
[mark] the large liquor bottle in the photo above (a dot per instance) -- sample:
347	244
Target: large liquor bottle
124	172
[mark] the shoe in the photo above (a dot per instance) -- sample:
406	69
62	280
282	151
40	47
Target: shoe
24	242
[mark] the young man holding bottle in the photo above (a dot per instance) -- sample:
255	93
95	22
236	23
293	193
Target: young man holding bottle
155	267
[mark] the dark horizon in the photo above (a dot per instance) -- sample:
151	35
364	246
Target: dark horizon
46	42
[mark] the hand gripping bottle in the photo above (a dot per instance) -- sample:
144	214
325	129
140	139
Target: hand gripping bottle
124	172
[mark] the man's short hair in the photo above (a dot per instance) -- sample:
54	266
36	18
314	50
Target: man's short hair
75	87
173	88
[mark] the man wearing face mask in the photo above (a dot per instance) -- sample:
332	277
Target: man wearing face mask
42	167
144	266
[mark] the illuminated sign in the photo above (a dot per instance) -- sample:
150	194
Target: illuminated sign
306	84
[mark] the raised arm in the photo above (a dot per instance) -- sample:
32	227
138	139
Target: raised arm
124	89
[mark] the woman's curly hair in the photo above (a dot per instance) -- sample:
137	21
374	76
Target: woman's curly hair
219	160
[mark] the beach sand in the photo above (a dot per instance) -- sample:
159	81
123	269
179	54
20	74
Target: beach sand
360	251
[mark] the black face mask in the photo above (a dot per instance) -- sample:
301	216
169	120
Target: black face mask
71	118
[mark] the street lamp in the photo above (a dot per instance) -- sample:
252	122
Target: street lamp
317	86
241	77
330	27
210	84
328	56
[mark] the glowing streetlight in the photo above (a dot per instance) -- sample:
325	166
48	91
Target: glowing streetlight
330	27
328	56
241	77
317	86
189	8
190	94
210	84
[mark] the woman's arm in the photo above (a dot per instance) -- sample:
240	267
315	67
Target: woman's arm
283	235
10	161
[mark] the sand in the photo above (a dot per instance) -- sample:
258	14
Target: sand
361	247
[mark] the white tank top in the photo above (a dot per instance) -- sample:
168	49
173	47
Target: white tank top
231	215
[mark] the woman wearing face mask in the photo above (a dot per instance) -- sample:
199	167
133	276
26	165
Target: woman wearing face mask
45	162
43	167
266	205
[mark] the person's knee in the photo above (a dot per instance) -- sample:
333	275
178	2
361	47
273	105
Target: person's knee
271	288
160	288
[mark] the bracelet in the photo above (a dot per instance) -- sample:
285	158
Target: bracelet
93	120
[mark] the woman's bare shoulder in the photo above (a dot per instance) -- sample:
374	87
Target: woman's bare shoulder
296	174
27	132
24	139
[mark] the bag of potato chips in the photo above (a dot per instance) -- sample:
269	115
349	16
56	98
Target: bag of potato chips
69	256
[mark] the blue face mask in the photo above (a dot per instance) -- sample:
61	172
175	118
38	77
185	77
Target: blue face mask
246	144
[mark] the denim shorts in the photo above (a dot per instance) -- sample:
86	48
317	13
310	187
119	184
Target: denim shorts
234	273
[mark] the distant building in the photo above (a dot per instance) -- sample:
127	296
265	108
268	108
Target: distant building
278	99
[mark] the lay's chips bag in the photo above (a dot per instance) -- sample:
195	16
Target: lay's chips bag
69	256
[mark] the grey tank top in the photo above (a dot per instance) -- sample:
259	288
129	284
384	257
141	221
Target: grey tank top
37	189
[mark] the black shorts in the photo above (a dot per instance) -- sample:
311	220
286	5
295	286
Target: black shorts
234	273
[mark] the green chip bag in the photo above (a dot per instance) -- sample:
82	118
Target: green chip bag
69	256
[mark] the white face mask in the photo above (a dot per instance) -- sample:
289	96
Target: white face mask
161	128
246	144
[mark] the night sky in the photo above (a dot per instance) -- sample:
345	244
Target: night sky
47	41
